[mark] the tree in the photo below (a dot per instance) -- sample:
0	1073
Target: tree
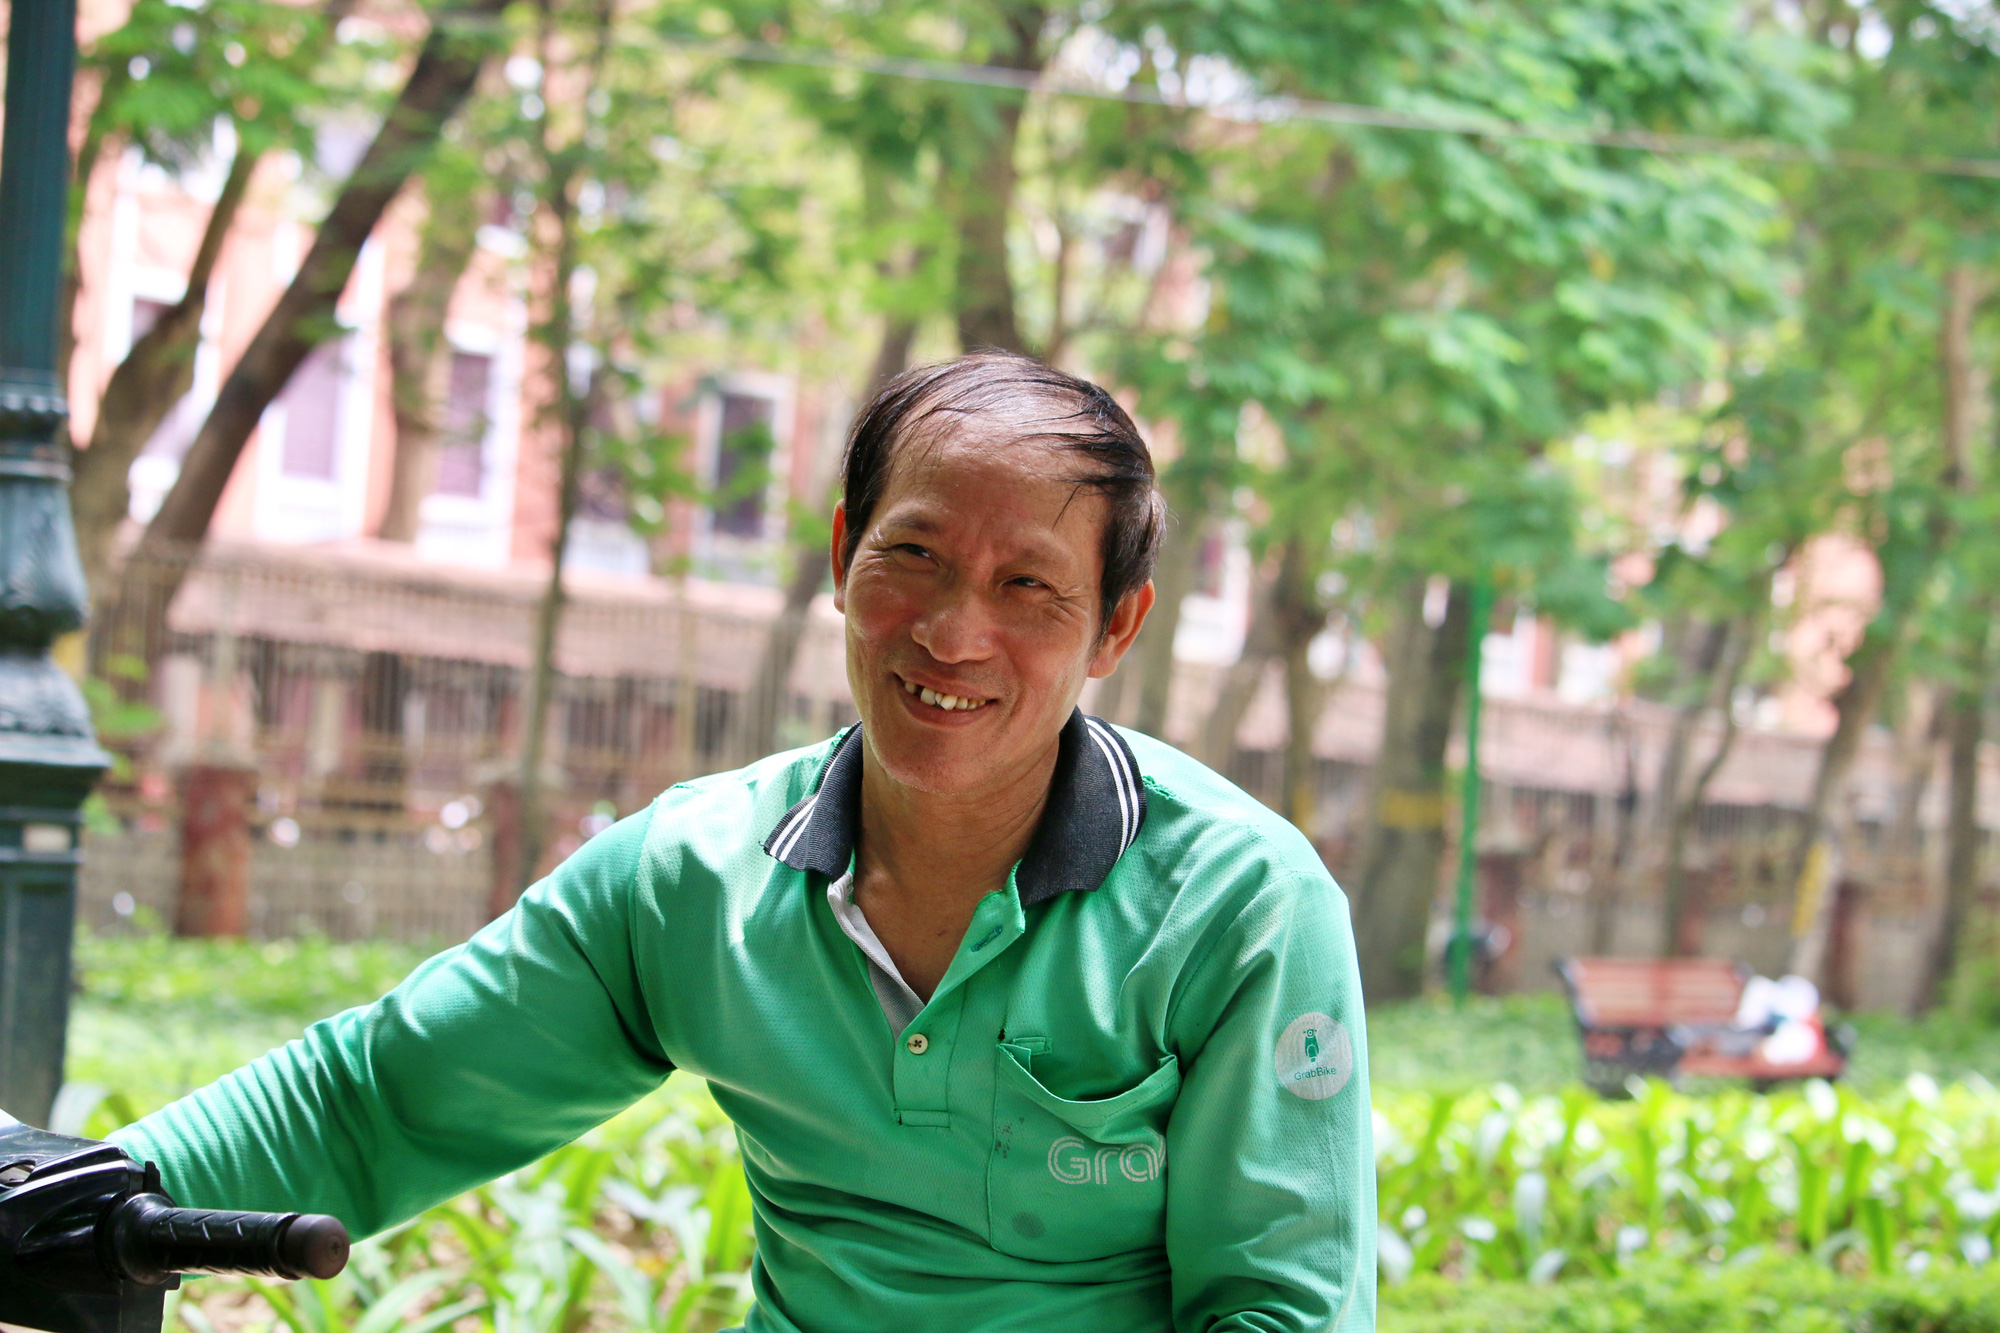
178	82
1473	300
438	84
942	177
456	192
1899	271
1761	473
650	202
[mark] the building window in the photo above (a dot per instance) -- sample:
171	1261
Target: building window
1211	565
176	431
461	468
312	414
744	448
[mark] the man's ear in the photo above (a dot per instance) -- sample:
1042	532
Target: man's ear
1124	627
839	556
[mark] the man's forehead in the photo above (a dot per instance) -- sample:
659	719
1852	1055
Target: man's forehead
1028	476
1064	535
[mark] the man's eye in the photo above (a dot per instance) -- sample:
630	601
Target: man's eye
911	548
1030	582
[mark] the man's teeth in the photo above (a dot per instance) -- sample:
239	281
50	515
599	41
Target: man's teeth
948	702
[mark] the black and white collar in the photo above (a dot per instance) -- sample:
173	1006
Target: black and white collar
1096	805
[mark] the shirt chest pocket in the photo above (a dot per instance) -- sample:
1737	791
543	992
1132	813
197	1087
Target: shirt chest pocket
1077	1179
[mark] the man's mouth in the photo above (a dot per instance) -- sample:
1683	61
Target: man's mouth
950	703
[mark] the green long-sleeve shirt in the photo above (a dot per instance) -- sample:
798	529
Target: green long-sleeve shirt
1138	1100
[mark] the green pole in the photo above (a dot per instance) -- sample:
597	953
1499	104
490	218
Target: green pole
1468	833
48	755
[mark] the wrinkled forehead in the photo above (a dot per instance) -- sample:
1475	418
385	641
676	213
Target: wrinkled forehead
1021	426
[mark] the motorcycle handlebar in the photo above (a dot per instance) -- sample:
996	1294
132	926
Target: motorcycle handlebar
146	1238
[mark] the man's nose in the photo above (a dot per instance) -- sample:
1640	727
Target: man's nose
956	627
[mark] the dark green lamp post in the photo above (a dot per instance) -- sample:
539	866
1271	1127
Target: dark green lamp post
49	757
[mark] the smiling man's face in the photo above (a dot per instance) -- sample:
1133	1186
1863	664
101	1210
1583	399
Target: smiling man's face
972	610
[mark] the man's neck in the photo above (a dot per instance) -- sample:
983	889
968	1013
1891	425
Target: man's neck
961	845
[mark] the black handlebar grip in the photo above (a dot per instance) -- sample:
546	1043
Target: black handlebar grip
146	1239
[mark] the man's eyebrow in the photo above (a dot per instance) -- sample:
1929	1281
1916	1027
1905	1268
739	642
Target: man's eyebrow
923	523
915	522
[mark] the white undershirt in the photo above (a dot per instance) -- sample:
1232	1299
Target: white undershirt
899	1003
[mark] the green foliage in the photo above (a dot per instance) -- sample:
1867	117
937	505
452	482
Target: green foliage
157	1017
120	721
172	70
642	1225
303	977
1500	1184
1769	1295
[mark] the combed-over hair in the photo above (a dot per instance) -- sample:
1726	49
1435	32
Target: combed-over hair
1082	419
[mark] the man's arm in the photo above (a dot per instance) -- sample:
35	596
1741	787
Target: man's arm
1270	1154
486	1057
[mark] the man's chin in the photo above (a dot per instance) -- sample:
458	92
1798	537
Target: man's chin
938	763
938	775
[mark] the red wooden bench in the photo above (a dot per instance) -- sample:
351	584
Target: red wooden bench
1674	1018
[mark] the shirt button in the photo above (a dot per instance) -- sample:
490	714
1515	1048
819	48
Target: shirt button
918	1043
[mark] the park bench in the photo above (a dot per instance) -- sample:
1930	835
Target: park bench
1677	1018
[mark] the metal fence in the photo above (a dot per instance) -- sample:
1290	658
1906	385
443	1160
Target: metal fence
380	703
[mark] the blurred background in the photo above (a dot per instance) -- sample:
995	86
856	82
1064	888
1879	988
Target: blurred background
1578	423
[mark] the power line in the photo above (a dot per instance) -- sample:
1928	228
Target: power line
1300	110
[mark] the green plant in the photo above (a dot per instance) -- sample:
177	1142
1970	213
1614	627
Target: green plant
1768	1295
1497	1184
643	1224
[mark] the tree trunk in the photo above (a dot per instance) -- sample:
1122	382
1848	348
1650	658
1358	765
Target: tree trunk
1857	702
1300	619
1695	645
1398	882
1616	843
985	298
1919	732
1217	747
573	412
420	358
443	77
1967	400
155	375
1964	727
1700	652
764	705
1812	861
1173	576
1738	638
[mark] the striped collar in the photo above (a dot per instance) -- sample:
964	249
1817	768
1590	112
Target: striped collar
1096	805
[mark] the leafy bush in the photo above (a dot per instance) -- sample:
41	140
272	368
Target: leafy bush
642	1225
1498	1184
305	977
1769	1296
157	1017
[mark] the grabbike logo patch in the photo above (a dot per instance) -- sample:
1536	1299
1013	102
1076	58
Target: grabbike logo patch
1075	1162
1315	1058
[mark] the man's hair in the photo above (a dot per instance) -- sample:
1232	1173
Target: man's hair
1077	417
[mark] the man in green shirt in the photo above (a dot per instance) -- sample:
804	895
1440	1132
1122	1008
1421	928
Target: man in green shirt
1025	1022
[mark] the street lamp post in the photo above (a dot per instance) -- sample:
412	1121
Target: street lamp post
49	756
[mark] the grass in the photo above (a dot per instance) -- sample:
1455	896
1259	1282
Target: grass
1530	1041
155	1018
1766	1296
